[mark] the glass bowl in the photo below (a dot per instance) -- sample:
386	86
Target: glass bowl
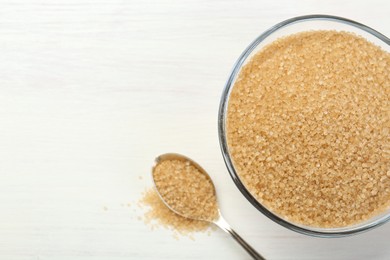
290	26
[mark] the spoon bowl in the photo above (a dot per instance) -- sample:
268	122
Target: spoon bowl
217	220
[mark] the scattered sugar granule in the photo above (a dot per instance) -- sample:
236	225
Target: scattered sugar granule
158	214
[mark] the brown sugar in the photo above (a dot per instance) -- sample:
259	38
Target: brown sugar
186	189
158	214
308	128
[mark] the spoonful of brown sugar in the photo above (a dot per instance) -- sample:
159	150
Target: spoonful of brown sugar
188	190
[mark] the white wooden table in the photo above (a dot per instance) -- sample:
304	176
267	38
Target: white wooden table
92	91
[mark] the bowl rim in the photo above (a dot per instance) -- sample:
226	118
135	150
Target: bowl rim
307	230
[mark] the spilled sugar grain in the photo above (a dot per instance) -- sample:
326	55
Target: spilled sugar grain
157	214
308	126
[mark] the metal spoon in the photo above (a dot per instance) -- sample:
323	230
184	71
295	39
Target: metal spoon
219	221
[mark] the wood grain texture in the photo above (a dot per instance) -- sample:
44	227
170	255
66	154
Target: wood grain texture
92	91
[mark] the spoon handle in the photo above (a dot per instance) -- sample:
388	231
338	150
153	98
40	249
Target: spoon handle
221	223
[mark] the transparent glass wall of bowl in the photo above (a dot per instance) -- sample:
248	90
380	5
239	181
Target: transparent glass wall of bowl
288	27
